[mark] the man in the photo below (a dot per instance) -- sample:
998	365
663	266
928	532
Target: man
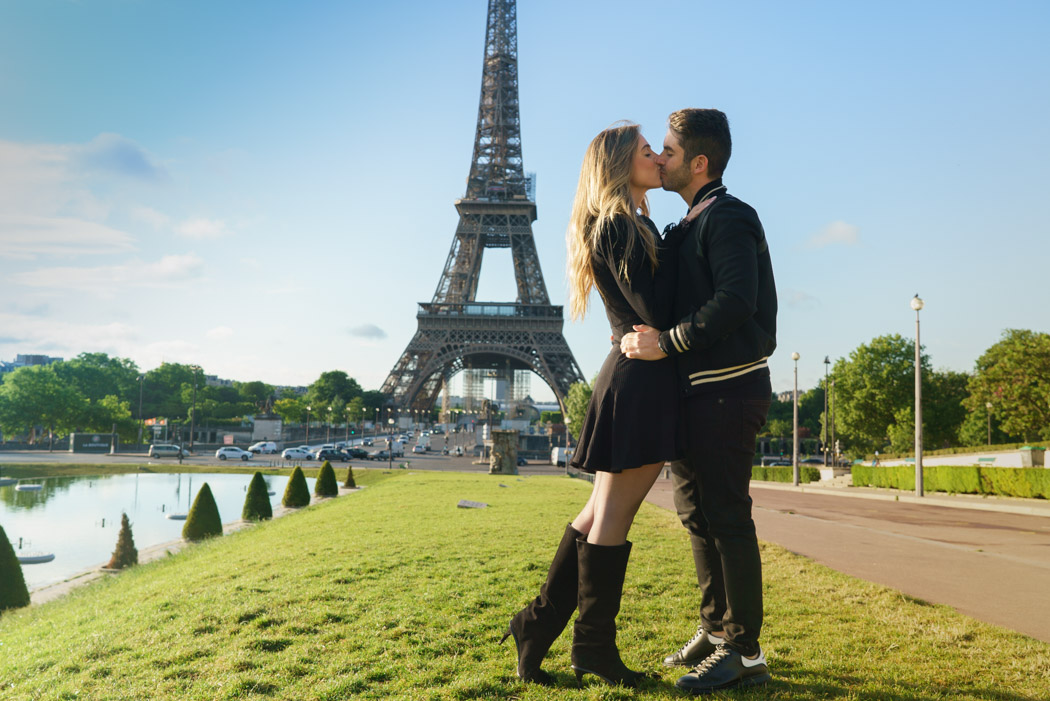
726	303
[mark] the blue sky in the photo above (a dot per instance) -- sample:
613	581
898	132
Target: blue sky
267	188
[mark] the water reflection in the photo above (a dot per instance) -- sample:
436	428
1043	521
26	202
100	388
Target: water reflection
31	500
78	518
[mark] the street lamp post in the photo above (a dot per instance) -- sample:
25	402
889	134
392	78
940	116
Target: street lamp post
917	305
834	445
988	406
794	406
827	364
307	441
193	415
346	438
142	380
375	425
328	427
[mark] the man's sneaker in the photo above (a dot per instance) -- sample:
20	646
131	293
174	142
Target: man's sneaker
695	651
725	669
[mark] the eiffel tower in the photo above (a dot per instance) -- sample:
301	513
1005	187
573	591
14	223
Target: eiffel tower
457	332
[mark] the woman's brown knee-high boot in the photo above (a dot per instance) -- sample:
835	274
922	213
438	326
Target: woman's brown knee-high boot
602	570
538	625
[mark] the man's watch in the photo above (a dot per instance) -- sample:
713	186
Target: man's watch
660	344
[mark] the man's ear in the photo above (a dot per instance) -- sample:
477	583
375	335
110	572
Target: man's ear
700	165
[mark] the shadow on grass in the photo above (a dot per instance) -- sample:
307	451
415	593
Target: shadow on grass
797	681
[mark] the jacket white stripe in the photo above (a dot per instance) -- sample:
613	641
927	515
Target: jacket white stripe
729	376
730	369
679	345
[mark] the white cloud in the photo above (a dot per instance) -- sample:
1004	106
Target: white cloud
219	333
837	232
67	339
117	154
800	299
28	236
108	280
201	228
368	331
157	220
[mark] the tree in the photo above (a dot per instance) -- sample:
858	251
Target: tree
333	385
349	483
13	591
1014	376
96	375
257	500
871	387
296	492
325	484
36	396
125	554
292	411
203	521
163	390
576	402
553	417
255	393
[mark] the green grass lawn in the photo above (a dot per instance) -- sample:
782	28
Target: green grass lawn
393	592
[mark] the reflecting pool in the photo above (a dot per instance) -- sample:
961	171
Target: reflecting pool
78	518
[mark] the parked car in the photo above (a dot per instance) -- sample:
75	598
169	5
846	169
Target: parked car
780	463
357	453
417	448
380	455
366	442
331	454
297	454
267	447
812	461
231	452
158	450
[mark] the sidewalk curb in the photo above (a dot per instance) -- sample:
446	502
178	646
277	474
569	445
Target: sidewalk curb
960	501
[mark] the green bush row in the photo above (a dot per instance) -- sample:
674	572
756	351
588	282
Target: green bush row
785	474
960	479
997	448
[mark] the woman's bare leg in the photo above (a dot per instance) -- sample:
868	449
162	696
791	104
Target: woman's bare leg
585	518
615	501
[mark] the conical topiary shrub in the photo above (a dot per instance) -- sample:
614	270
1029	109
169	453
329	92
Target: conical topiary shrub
125	554
296	494
13	592
325	485
203	520
257	502
350	483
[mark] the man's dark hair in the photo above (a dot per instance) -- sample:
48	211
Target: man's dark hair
703	131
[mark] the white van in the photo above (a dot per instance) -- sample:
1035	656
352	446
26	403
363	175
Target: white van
266	447
560	456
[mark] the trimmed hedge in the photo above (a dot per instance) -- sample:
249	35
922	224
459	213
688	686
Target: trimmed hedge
296	494
13	591
781	473
125	554
1030	482
325	484
257	500
350	483
203	520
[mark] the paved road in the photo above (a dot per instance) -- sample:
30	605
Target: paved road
990	565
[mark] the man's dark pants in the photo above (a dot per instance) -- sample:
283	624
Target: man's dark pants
717	436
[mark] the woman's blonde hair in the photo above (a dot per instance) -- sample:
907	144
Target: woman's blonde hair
604	192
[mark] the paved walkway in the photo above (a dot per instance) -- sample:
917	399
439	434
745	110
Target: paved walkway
987	557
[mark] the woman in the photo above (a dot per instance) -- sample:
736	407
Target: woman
628	431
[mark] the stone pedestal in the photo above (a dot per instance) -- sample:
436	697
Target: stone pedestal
503	460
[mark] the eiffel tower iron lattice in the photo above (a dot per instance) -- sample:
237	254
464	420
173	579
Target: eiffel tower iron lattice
456	332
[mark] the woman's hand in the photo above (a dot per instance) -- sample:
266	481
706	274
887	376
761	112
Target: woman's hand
695	211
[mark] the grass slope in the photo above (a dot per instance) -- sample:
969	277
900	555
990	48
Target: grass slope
404	596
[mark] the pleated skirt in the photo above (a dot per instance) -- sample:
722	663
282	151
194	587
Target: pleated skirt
632	415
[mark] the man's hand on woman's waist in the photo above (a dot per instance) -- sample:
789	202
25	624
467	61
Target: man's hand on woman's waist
643	344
